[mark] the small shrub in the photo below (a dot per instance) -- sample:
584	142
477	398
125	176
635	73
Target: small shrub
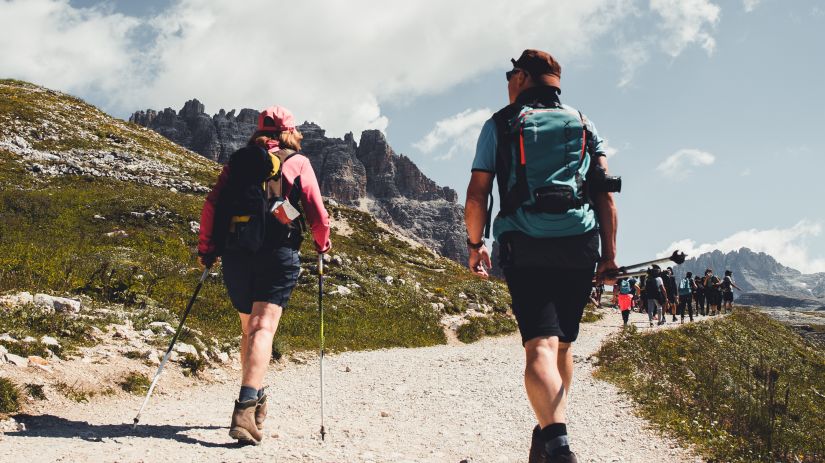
192	364
133	354
9	396
477	327
280	347
73	392
135	383
591	315
35	391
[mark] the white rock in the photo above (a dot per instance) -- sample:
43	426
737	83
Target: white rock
342	290
152	356
159	324
462	296
337	260
472	306
183	348
58	304
17	360
29	339
388	279
195	227
7	338
99	217
50	341
21	298
117	234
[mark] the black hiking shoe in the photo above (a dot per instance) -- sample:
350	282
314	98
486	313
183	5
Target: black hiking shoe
537	454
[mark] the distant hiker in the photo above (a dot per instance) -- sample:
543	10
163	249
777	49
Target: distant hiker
634	291
686	288
656	295
599	287
672	292
727	290
699	295
252	219
713	292
555	205
625	299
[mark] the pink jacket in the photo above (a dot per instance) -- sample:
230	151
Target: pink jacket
311	200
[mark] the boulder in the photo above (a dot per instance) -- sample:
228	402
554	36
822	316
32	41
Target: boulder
13	300
183	348
49	341
17	360
58	304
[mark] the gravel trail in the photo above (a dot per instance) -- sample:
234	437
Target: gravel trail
437	404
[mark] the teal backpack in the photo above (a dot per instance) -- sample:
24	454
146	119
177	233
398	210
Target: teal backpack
685	287
624	287
542	162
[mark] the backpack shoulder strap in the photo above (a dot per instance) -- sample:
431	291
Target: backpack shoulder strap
275	181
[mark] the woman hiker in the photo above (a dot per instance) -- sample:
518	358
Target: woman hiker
251	220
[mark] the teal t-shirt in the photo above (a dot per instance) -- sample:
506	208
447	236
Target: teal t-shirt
537	225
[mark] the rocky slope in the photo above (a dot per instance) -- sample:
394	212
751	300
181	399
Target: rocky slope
764	281
369	175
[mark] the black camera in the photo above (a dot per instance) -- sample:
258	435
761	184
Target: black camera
600	182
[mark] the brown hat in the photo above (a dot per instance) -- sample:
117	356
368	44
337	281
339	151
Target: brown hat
542	67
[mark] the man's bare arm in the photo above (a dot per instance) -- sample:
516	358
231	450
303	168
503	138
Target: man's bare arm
475	217
608	224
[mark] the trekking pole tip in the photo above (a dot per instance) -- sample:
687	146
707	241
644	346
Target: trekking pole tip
135	423
323	433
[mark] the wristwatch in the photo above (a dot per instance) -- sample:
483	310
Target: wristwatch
472	245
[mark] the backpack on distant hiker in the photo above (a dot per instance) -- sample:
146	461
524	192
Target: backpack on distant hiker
685	286
624	287
253	209
726	284
652	290
542	163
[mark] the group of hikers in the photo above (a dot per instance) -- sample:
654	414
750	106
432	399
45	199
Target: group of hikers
659	294
556	230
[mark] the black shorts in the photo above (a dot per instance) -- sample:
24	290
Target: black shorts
671	298
549	301
727	296
262	277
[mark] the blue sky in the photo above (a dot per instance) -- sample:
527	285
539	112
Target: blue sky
711	107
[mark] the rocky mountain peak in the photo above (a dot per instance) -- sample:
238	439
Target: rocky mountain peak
369	174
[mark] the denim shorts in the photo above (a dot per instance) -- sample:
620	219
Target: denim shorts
260	277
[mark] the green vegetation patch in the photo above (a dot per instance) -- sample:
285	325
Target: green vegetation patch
477	327
591	314
9	396
135	383
34	321
743	388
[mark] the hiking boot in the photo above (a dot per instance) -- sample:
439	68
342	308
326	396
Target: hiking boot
243	427
260	412
537	454
569	458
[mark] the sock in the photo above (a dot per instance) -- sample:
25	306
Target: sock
260	393
248	393
555	439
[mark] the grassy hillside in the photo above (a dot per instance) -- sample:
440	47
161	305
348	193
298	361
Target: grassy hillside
71	225
744	388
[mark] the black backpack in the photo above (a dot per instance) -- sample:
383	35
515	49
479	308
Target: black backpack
255	184
652	288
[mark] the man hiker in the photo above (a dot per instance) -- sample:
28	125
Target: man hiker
686	288
727	290
555	210
699	295
713	293
672	296
656	295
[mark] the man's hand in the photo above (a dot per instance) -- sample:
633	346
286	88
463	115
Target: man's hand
480	261
606	272
207	260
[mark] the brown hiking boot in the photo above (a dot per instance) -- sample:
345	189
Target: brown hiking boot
243	427
260	412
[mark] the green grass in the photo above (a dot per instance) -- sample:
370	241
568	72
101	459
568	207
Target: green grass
591	314
478	327
743	388
53	243
30	320
73	392
192	365
9	396
135	383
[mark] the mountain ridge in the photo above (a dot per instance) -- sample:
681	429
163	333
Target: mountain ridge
368	174
764	281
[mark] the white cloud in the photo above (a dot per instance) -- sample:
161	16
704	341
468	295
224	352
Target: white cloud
457	133
633	55
787	245
686	22
333	62
683	161
750	5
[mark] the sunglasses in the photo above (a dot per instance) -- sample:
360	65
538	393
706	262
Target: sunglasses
511	73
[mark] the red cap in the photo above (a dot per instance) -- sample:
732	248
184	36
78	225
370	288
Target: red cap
276	119
542	67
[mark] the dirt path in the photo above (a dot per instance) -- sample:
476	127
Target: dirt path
438	404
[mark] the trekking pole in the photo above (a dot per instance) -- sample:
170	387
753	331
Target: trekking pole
171	345
321	313
677	257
